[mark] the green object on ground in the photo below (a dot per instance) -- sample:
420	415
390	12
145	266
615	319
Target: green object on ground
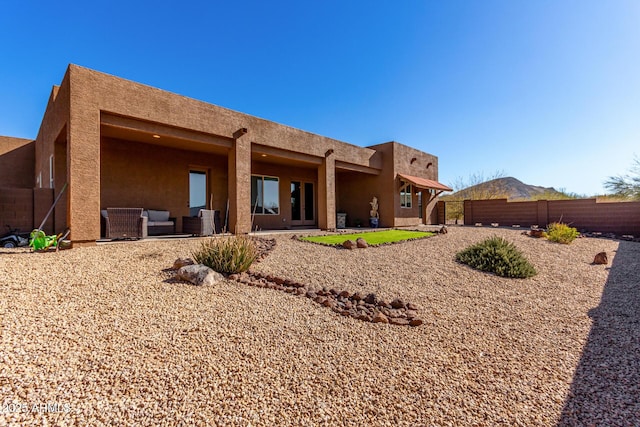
499	256
40	241
372	238
561	233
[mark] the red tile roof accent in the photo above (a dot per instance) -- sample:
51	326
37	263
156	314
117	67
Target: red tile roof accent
424	183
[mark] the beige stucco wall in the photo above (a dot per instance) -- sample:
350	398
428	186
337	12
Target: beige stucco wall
72	124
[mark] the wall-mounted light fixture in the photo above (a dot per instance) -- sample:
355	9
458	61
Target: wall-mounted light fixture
328	152
413	160
429	164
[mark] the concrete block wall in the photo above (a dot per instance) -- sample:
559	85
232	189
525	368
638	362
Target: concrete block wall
25	208
587	214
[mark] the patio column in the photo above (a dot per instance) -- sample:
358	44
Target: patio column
327	192
240	185
83	175
426	199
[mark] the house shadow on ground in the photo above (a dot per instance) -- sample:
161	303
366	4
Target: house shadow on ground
606	385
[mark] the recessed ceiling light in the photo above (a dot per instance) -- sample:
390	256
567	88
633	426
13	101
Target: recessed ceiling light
156	136
263	155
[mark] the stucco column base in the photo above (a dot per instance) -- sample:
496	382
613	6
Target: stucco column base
327	193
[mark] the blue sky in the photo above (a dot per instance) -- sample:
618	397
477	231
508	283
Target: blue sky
546	91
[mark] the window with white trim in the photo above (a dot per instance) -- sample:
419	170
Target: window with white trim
405	195
265	195
51	171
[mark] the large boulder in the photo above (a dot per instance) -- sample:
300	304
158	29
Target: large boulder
199	275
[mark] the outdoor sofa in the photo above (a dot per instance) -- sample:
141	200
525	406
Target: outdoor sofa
135	223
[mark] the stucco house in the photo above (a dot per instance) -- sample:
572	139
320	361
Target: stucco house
118	143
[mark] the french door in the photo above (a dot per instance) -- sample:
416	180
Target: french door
197	191
303	207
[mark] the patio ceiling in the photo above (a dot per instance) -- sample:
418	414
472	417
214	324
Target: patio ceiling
129	129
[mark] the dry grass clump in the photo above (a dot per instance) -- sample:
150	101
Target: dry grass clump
228	256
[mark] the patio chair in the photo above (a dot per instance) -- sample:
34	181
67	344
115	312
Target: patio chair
125	223
205	224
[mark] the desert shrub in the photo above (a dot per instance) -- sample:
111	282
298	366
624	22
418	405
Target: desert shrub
561	233
230	255
497	255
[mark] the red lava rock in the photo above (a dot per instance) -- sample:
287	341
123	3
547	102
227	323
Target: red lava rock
329	303
299	291
349	244
181	262
411	306
311	294
371	299
234	277
383	303
320	300
345	294
538	233
601	259
279	280
395	313
398	321
397	303
380	318
361	243
333	291
411	314
415	322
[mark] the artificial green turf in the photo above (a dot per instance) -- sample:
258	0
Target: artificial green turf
372	238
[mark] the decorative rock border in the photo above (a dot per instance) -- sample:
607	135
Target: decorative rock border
597	234
538	232
367	308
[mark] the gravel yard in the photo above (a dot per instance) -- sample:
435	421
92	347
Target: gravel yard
104	334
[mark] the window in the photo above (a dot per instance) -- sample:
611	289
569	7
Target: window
51	171
197	191
265	195
405	196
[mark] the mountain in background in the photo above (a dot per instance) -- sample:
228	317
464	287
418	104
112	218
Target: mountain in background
509	187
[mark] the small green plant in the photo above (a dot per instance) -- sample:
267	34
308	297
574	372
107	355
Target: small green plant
227	255
497	255
561	233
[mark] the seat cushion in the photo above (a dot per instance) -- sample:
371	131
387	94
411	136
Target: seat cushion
158	216
159	223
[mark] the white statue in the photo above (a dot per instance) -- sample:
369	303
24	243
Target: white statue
373	213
